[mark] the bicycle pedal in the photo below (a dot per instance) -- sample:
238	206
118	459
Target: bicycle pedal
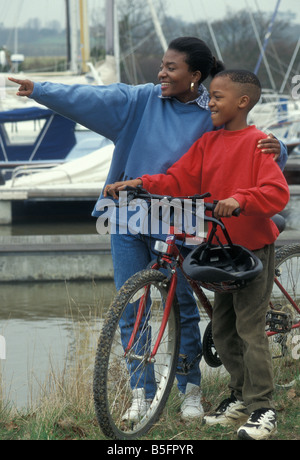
279	321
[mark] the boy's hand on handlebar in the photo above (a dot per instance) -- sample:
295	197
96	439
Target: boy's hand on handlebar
225	208
114	189
26	86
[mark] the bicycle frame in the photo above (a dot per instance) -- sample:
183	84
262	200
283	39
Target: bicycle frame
171	259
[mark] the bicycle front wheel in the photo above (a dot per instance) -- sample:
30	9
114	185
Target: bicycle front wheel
284	316
130	388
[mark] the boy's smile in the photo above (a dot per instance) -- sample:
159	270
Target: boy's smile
227	104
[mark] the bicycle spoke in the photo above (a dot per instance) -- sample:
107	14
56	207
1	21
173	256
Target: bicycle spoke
286	367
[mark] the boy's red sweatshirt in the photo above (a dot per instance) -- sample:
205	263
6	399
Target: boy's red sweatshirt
229	164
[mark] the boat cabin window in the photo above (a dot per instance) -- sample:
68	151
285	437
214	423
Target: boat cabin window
23	132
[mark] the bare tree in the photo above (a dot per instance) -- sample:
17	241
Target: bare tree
235	37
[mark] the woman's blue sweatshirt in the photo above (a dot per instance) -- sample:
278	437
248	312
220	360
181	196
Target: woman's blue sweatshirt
150	133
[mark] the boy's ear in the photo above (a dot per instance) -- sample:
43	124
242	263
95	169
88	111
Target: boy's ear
244	101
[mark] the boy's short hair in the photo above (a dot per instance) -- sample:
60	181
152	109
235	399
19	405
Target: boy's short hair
250	84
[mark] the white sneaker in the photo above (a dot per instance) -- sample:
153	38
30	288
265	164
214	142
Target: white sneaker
229	411
191	406
260	425
139	406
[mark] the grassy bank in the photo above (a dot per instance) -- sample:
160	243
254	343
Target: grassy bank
66	412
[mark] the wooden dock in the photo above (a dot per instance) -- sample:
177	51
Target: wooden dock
69	192
55	258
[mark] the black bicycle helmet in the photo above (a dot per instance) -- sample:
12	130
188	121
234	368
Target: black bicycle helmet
222	268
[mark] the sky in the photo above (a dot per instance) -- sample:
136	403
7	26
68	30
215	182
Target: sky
217	9
17	12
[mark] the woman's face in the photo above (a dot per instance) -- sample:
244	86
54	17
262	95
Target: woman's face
176	78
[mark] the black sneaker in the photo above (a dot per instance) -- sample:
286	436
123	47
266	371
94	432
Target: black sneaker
261	424
229	411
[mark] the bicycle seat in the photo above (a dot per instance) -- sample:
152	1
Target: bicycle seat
280	222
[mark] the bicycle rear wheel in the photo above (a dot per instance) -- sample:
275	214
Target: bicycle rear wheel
117	373
284	316
210	353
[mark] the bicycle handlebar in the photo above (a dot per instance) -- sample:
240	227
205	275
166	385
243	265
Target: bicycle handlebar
139	192
211	207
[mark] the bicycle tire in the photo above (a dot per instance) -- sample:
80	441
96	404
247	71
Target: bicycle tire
287	270
210	353
113	382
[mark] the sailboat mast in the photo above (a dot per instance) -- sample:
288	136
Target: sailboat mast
72	38
112	46
117	39
109	30
267	38
157	26
84	34
263	54
68	31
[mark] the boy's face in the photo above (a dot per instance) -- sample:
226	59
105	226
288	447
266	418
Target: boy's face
224	104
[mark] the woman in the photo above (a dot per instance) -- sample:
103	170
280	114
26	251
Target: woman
152	126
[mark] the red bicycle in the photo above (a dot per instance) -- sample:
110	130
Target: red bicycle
148	310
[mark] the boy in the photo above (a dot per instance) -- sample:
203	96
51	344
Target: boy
227	163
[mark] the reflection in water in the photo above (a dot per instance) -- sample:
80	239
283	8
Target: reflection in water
43	325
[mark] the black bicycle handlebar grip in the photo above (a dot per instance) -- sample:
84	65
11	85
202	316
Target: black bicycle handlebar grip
211	207
236	212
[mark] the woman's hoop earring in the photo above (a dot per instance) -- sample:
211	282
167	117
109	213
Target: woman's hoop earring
192	87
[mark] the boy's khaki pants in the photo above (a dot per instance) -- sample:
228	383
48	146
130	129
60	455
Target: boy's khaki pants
239	335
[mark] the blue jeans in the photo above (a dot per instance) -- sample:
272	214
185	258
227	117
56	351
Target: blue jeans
132	253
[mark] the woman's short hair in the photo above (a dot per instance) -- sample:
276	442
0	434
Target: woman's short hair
198	56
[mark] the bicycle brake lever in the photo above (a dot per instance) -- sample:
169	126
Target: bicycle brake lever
134	192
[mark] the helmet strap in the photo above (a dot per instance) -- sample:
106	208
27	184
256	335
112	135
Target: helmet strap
213	234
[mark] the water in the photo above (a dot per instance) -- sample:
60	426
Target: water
40	323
